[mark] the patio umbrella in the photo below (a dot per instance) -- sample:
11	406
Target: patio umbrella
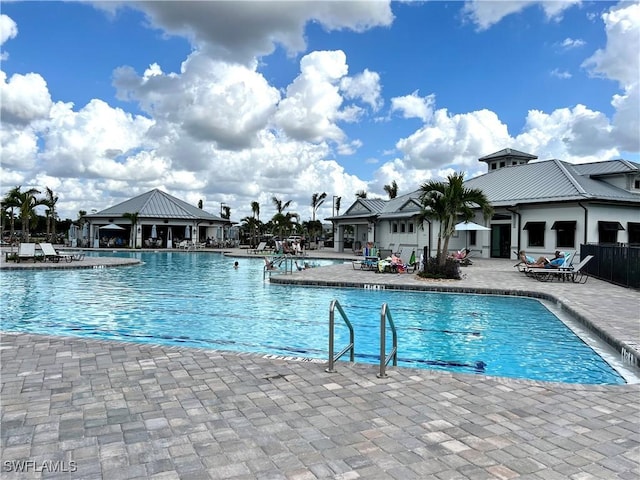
466	226
85	230
111	226
154	232
187	232
169	238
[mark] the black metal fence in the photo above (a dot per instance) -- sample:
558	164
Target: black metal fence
619	264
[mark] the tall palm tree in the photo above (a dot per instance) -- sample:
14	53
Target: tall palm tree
280	206
317	199
392	190
338	200
28	216
50	201
361	194
255	209
133	218
449	201
10	202
225	211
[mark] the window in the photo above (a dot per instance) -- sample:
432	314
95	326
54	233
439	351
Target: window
411	227
608	232
472	237
636	184
536	233
403	227
394	227
633	232
565	234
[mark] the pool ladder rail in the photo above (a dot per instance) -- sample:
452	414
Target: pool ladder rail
385	314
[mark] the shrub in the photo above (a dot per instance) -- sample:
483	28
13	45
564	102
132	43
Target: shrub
432	269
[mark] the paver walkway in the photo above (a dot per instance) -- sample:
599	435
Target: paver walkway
75	408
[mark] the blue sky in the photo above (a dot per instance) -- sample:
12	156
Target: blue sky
237	102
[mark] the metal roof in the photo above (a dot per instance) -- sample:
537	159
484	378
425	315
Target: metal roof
607	168
547	181
158	204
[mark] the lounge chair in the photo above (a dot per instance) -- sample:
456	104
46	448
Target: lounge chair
262	246
567	261
571	273
27	251
50	253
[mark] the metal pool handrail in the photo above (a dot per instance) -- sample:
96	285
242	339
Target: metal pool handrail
332	358
385	314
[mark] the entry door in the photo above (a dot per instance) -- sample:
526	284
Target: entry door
500	241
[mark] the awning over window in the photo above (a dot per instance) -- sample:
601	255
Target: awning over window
610	226
571	225
530	225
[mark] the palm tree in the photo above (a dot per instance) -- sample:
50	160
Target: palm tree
392	190
255	209
280	207
338	200
317	199
447	202
361	194
200	204
10	202
133	218
225	211
251	225
50	201
28	215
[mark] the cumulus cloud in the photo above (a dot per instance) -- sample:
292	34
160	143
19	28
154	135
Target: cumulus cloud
414	106
243	31
364	86
83	143
619	61
313	100
454	139
25	98
8	30
485	14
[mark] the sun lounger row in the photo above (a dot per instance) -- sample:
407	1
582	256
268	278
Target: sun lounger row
27	251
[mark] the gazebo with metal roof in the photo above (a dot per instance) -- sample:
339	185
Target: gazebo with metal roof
162	222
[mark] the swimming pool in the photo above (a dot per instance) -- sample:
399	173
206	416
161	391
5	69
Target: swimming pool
200	300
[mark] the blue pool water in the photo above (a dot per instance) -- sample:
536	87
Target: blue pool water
200	300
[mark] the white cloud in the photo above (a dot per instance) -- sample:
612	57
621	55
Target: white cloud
312	103
213	101
365	86
571	43
414	106
619	59
243	31
25	98
454	139
84	143
487	13
8	30
563	75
